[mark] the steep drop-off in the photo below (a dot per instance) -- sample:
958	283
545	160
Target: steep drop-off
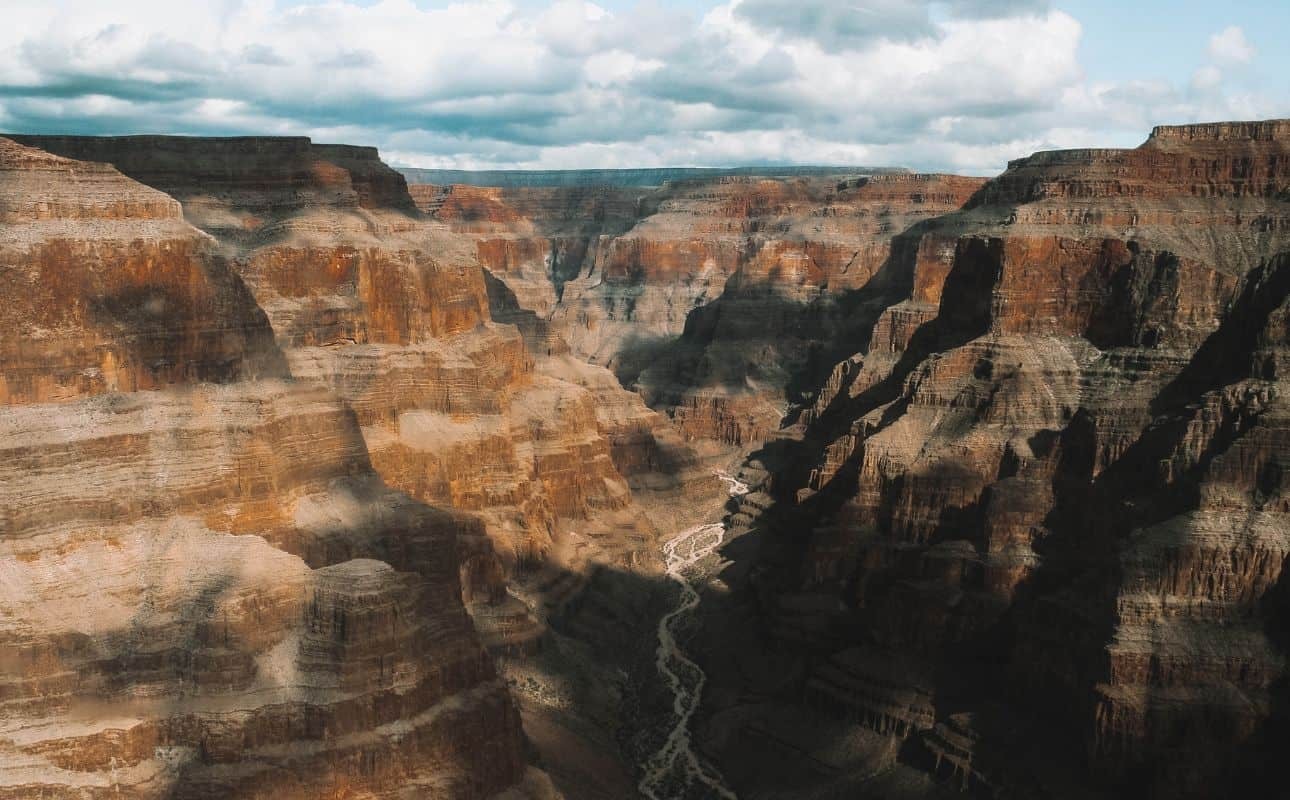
455	405
716	299
205	589
323	485
1031	537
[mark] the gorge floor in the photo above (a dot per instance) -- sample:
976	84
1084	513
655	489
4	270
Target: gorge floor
676	768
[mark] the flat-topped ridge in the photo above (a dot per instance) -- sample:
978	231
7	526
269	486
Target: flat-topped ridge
1256	130
38	186
17	156
1272	130
642	177
1223	159
156	145
259	172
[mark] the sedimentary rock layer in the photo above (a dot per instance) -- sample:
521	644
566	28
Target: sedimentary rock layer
708	295
205	589
1052	481
391	311
455	393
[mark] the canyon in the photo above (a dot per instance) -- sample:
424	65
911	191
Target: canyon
326	479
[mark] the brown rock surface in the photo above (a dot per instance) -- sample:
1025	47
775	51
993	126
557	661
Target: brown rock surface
1016	526
453	404
706	294
1053	479
391	311
205	589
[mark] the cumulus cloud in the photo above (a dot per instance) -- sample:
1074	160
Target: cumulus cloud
840	25
1206	78
961	85
854	24
1229	46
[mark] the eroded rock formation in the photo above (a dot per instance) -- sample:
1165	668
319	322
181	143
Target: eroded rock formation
356	293
296	453
205	588
710	296
1051	485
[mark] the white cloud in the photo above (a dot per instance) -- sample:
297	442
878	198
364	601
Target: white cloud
482	83
1229	46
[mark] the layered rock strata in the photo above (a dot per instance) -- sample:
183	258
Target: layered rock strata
391	311
461	398
1052	482
710	296
206	589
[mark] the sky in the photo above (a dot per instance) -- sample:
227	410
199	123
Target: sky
953	85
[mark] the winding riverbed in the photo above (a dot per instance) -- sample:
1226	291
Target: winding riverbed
676	768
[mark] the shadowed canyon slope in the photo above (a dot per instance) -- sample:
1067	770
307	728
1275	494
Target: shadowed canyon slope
318	484
1032	533
1022	451
757	273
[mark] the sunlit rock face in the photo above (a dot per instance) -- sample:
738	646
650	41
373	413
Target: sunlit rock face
446	391
706	295
390	310
205	588
1051	484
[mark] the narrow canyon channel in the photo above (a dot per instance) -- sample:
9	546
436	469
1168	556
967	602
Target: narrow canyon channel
676	768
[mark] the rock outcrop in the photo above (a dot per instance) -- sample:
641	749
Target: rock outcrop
646	177
318	484
205	588
391	312
709	296
458	396
1051	484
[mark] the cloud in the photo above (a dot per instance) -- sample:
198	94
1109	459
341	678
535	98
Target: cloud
1229	46
856	24
262	55
840	25
963	85
995	9
348	59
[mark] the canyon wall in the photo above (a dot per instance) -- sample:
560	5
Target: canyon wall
206	590
1033	532
389	310
320	484
711	297
642	177
458	396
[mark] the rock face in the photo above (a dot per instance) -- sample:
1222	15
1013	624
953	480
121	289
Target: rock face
1051	485
708	295
391	312
205	588
296	455
355	293
635	178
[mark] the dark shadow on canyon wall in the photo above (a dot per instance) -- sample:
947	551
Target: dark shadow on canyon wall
753	332
1026	680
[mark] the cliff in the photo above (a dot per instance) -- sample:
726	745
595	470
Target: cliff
708	296
361	296
629	178
321	484
205	589
1050	485
389	310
